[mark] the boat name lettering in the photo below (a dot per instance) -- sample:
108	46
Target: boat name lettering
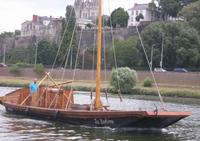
103	121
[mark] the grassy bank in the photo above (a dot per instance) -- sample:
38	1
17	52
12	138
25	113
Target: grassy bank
87	85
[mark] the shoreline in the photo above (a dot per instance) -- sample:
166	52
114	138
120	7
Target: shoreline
174	95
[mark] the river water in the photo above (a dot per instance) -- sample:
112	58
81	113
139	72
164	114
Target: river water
15	127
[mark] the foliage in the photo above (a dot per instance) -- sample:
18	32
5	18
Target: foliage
38	69
46	52
119	18
17	33
192	15
106	20
89	26
123	79
186	93
69	25
147	82
186	2
6	34
138	17
14	69
181	44
127	54
18	54
170	7
23	65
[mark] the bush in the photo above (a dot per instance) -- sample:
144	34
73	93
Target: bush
125	77
14	69
147	82
39	69
23	65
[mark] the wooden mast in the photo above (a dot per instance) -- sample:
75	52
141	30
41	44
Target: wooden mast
98	68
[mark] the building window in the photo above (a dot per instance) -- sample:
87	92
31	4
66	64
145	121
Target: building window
136	13
132	19
132	13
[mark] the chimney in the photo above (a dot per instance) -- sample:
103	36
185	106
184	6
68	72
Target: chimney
35	18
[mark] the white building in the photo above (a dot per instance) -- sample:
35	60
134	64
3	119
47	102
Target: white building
144	9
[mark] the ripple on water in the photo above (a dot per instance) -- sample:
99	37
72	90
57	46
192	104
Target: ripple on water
23	128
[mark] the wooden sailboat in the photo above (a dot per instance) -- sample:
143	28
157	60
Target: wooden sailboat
57	103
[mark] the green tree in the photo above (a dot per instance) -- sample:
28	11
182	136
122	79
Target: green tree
181	44
7	34
192	15
17	33
18	54
119	18
68	31
169	7
46	52
126	53
89	25
138	17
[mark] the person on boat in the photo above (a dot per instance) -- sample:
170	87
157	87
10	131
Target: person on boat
33	91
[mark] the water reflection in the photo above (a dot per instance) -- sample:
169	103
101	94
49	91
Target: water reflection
22	128
15	127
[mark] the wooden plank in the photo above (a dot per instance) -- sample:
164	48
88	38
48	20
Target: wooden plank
25	100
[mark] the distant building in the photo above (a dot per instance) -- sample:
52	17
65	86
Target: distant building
86	11
148	14
41	26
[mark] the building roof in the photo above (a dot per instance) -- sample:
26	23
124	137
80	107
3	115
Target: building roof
140	7
26	22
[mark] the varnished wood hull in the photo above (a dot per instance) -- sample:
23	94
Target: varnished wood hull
113	119
110	118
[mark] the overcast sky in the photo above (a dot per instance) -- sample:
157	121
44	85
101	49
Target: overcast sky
15	12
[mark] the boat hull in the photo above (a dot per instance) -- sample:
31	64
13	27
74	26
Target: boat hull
112	119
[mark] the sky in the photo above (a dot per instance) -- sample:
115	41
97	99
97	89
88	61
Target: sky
15	12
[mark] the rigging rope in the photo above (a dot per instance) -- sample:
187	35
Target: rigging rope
104	57
65	31
69	49
142	102
93	54
79	45
160	97
114	53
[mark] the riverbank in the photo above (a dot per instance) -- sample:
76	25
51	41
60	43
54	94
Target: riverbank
88	85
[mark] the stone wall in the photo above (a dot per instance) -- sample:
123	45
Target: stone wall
22	42
88	38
